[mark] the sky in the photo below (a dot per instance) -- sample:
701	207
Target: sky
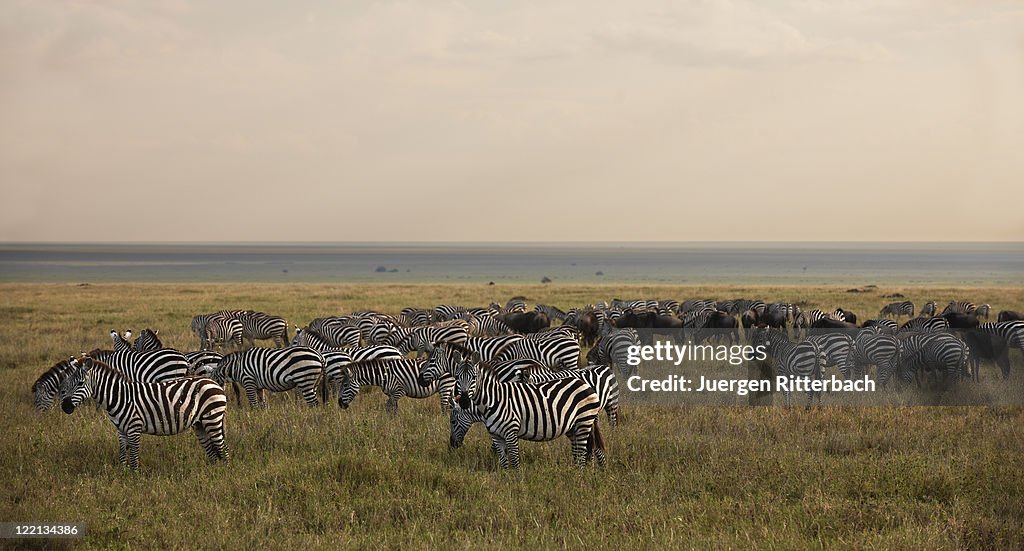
511	121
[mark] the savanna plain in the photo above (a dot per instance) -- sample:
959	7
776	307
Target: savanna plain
677	477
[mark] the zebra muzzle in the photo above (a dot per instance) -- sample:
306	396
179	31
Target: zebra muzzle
67	406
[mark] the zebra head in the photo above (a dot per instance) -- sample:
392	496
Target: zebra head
349	388
441	359
467	377
74	389
297	339
223	370
461	421
47	386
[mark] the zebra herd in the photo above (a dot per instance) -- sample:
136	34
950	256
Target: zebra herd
504	366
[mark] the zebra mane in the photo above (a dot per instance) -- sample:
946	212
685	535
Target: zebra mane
92	364
58	370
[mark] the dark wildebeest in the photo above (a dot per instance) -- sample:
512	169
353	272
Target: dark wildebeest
649	320
961	321
1010	315
847	315
775	319
748	319
829	325
719	324
526	322
986	346
588	324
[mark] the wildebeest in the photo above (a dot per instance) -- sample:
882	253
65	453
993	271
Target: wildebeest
832	325
847	315
526	322
986	346
961	321
718	323
588	324
1010	315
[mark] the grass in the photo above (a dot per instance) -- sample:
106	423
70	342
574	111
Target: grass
723	477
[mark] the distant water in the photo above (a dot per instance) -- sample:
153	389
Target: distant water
774	263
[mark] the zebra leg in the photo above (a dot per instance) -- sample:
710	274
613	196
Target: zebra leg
132	445
122	448
251	393
613	414
391	406
578	437
512	449
309	394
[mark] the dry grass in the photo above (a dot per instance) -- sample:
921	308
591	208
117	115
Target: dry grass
678	477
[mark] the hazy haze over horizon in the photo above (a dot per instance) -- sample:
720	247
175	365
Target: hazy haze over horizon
570	121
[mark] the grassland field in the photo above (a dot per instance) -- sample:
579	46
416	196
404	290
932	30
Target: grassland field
678	477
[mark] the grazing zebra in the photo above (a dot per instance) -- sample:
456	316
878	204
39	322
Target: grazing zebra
566	331
537	412
148	341
138	408
315	340
613	349
924	324
837	351
262	326
487	347
874	346
336	361
905	308
486	325
555	352
959	307
461	421
47	386
601	377
413	317
273	369
396	378
928	309
337	332
447	312
420	338
223	331
692	304
932	353
801	360
151	367
886	325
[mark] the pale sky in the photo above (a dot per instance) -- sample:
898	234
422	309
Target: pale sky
511	121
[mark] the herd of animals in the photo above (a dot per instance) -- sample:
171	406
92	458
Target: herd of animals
508	366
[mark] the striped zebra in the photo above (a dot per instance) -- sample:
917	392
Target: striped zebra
837	351
47	386
336	361
273	369
150	367
262	326
445	357
515	305
613	349
905	308
923	324
336	331
447	312
554	353
600	377
419	339
148	341
983	311
566	331
690	305
221	330
480	325
535	412
668	307
874	346
932	354
959	307
396	378
929	309
550	311
800	360
885	325
412	317
138	408
314	339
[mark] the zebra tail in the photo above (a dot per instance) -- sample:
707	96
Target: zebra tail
594	441
287	339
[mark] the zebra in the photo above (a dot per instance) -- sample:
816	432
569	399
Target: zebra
515	305
336	331
485	325
959	307
886	325
550	311
601	377
148	341
224	331
801	360
613	349
413	317
335	362
924	324
315	340
566	331
905	308
932	353
396	378
983	310
274	369
262	326
554	353
874	346
138	408
928	309
151	367
837	350
1011	331
690	305
536	412
47	386
420	338
445	357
